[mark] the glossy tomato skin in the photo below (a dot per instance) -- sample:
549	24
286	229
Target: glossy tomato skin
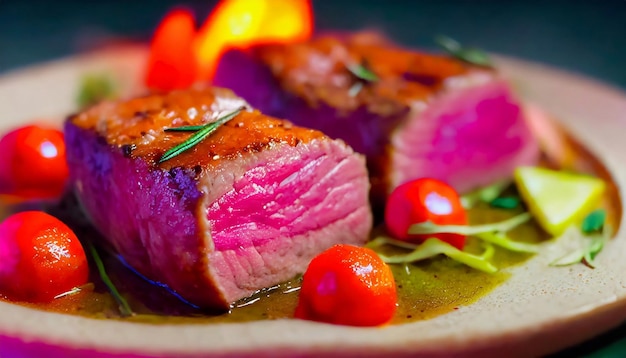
33	163
424	200
40	257
347	285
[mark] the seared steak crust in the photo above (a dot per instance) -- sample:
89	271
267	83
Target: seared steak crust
244	209
422	114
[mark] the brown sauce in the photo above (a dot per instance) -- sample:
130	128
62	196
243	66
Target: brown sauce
425	289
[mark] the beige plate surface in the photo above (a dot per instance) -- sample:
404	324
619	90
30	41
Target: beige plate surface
540	309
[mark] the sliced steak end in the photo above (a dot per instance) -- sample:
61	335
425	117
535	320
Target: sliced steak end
244	209
424	115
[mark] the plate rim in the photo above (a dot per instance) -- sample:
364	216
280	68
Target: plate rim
609	314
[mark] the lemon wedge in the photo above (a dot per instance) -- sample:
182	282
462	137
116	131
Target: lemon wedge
558	199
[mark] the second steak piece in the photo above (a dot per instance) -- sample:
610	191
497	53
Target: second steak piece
412	114
246	208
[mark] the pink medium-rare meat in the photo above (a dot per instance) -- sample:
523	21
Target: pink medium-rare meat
422	116
244	209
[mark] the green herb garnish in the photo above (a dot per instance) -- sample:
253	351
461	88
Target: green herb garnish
198	136
362	72
490	234
185	128
486	194
355	89
588	248
433	247
502	226
95	88
124	308
71	292
507	202
470	55
570	258
597	244
594	221
500	239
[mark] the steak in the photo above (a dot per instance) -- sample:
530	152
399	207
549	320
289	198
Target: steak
246	208
423	115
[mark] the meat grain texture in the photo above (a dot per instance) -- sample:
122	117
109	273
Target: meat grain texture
246	208
424	116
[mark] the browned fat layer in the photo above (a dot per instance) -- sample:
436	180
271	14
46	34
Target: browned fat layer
317	71
137	127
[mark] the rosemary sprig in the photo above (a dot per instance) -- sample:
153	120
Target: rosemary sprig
362	72
470	55
355	89
198	136
185	128
125	309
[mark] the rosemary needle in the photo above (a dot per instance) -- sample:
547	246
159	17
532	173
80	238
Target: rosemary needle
355	89
125	310
185	128
203	132
470	55
363	73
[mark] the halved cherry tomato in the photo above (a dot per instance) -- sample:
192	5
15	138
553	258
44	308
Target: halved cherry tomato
32	164
171	64
40	257
347	285
424	200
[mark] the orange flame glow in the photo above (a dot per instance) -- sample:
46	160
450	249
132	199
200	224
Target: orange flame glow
243	23
172	63
180	56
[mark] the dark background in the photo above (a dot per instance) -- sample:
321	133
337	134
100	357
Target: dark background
587	37
583	36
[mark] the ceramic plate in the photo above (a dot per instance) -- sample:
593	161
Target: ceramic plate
540	309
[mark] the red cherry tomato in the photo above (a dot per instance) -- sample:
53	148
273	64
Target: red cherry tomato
423	200
33	163
347	285
172	64
40	257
